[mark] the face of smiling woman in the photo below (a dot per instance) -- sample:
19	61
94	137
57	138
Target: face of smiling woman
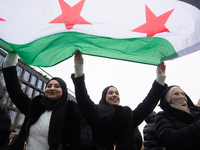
112	96
53	90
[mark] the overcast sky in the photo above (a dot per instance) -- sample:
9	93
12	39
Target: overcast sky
133	80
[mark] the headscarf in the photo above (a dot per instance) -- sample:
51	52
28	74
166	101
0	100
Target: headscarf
104	110
198	103
58	108
178	101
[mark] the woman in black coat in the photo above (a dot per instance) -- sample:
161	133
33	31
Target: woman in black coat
178	125
112	125
51	121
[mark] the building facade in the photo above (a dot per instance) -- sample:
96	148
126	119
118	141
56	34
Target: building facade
32	83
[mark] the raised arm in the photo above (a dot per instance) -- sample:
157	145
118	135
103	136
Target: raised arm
152	98
161	73
87	106
19	98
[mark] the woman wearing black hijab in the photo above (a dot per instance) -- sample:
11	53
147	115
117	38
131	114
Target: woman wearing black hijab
51	121
113	125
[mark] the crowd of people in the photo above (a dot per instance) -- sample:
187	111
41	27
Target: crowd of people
52	122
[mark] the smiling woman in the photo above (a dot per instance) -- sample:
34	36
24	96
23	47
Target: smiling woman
51	122
53	90
113	125
112	96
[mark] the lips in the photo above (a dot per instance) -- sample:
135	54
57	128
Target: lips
51	93
114	100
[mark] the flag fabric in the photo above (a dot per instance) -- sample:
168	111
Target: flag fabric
46	32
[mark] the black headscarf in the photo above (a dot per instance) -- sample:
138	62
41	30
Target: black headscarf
58	108
105	111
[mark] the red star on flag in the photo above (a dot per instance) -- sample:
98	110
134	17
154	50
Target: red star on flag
2	19
154	24
70	15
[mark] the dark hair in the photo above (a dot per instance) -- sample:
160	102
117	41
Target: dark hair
61	82
12	130
103	96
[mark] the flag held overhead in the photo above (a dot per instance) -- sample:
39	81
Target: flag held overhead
45	33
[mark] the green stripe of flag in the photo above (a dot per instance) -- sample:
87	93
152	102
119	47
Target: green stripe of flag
53	49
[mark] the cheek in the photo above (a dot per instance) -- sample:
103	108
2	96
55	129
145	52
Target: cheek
107	97
46	91
60	92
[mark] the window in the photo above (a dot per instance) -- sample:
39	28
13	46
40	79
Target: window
13	115
19	71
3	82
1	60
4	99
44	86
33	80
39	84
21	119
29	92
36	93
9	101
26	76
23	87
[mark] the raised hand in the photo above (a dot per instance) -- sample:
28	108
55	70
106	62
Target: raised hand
161	68
78	59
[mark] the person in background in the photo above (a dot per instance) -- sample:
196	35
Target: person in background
113	125
51	122
9	141
11	137
177	127
5	122
150	140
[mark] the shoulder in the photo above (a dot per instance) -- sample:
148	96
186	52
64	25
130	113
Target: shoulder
159	115
72	108
71	104
36	101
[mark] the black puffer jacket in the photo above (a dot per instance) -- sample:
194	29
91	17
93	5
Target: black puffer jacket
150	140
178	130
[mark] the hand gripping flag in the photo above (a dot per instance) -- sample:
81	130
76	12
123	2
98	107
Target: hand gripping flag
46	32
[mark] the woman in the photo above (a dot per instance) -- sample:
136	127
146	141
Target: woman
113	125
178	125
51	121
